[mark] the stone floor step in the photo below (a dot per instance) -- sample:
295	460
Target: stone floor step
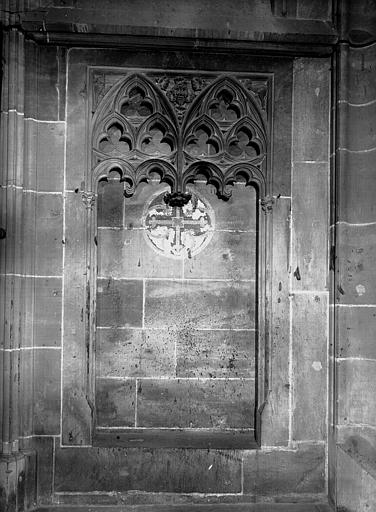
219	507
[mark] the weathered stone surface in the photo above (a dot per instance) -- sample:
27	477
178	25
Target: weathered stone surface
49	87
355	484
126	254
26	400
183	403
50	156
115	402
30	156
357	132
77	414
218	304
47	312
275	416
110	204
17	479
115	469
135	352
28	235
272	472
358	67
46	411
215	353
309	339
236	214
31	79
119	303
311	110
218	507
320	10
49	234
282	133
116	210
357	186
44	447
356	332
356	382
310	226
227	256
356	255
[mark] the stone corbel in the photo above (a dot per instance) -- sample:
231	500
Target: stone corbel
88	198
177	199
267	204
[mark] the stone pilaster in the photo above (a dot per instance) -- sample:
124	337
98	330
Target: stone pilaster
17	467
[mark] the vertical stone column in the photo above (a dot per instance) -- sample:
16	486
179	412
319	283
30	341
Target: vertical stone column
16	467
354	297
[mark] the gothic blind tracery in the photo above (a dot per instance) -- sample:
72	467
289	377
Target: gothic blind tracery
180	127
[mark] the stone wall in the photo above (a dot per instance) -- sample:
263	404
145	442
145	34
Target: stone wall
50	274
354	291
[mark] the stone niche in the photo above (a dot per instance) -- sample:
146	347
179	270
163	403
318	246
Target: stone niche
175	319
195	280
177	159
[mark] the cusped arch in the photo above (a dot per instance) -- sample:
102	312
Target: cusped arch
103	130
119	94
160	133
245	140
212	136
165	170
239	101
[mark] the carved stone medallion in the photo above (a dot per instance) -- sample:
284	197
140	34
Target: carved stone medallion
178	232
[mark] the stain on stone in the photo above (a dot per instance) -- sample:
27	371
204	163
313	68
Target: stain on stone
297	274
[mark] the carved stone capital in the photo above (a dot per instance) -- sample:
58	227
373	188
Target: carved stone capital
267	204
88	198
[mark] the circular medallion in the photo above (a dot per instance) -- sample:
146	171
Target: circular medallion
178	232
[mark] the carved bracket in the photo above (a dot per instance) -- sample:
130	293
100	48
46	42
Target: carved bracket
88	198
267	204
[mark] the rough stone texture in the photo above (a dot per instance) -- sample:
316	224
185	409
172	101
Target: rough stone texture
356	382
309	347
311	111
228	256
119	303
195	403
147	470
251	22
44	447
49	231
357	187
310	225
46	411
218	507
50	156
272	472
358	67
355	482
76	415
135	353
360	134
17	475
356	332
215	353
210	304
27	397
275	419
115	402
47	312
131	256
356	256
